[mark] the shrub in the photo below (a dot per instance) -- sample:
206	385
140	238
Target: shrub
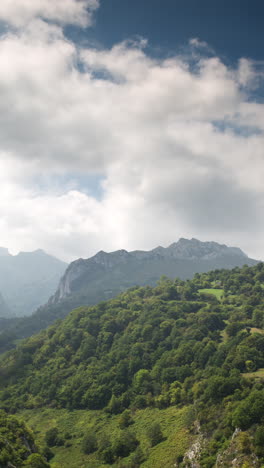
105	449
47	453
138	457
125	444
125	419
89	443
52	437
259	441
154	434
36	461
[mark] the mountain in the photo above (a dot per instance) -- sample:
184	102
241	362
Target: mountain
165	376
106	274
28	279
5	312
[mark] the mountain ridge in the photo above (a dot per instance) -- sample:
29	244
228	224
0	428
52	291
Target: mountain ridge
105	275
186	250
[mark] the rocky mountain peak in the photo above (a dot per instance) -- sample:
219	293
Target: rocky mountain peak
195	249
109	260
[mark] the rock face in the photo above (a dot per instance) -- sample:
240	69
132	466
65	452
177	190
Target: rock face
80	270
106	274
27	280
238	454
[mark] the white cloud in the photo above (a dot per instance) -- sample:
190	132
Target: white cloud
19	13
166	137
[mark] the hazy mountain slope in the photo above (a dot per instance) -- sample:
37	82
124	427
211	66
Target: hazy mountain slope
5	311
28	279
175	346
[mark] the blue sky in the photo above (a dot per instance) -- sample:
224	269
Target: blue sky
131	124
234	28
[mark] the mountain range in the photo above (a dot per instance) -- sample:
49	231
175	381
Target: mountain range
103	276
106	274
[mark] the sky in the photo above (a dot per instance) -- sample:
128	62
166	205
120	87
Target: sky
131	124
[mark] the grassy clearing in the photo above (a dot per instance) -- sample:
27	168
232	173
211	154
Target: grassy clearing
259	374
224	336
174	423
257	330
218	293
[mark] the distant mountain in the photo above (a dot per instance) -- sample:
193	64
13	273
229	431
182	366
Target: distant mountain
107	274
27	280
4	309
103	276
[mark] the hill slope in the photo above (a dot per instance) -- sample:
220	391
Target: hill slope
17	445
28	279
196	344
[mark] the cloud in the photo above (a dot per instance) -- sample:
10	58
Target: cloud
164	138
196	42
20	13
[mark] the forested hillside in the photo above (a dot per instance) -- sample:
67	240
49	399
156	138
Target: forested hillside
192	350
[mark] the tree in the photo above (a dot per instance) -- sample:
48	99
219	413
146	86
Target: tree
36	461
115	405
89	443
125	419
105	449
154	434
52	437
259	441
47	453
249	411
142	382
138	457
124	444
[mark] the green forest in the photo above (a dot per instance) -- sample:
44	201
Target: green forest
17	445
158	376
